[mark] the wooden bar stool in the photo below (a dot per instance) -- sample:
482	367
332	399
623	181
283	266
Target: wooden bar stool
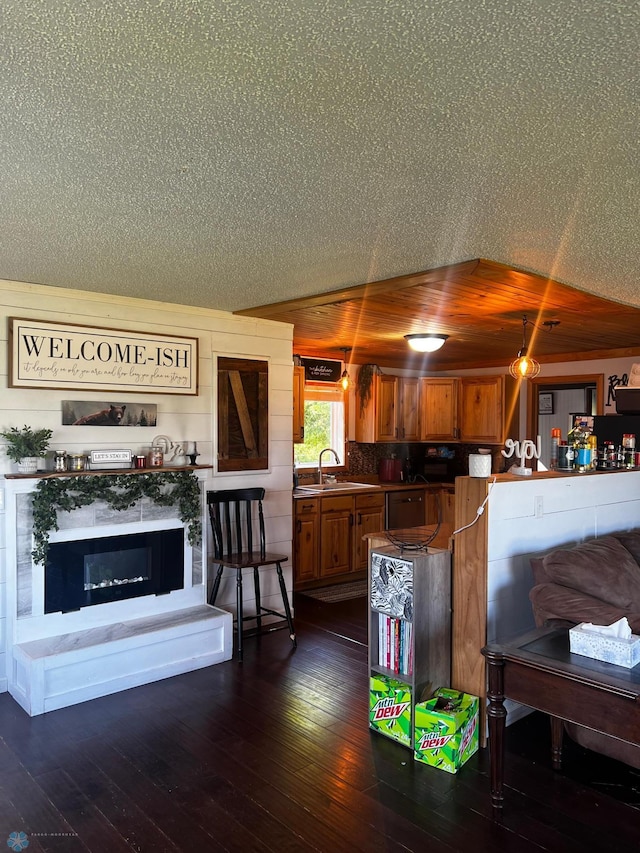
237	522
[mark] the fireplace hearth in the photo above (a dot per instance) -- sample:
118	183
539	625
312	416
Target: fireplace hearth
85	572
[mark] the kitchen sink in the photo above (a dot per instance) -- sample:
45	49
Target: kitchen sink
333	487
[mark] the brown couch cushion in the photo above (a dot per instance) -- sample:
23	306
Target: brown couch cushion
602	568
539	574
631	542
552	602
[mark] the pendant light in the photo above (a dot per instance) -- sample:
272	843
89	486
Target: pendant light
345	379
524	366
423	342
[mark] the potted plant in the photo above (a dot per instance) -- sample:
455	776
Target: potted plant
25	446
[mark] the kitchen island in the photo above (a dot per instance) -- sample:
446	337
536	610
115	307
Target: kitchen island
523	517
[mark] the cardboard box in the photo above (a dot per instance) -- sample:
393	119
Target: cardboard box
446	729
617	650
390	708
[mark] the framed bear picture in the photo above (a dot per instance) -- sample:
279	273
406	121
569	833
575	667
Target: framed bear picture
108	414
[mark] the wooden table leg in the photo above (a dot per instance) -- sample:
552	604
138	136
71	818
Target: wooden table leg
496	715
557	732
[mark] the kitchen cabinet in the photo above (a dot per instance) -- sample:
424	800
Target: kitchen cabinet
344	520
336	523
470	409
386	408
306	539
328	534
369	518
438	409
298	405
488	410
392	413
409	410
441	503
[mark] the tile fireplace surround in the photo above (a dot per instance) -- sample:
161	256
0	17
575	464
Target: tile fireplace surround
60	659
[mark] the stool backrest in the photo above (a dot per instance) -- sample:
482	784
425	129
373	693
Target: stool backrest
237	522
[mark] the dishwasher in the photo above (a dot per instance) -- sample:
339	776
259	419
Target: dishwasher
405	508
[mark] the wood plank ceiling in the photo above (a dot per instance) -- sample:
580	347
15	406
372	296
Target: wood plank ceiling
480	304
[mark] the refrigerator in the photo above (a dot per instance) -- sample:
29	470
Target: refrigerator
613	427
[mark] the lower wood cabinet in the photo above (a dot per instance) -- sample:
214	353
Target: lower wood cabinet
328	535
306	539
336	521
369	518
441	502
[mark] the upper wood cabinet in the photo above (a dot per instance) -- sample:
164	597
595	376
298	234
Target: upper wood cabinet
471	409
298	405
438	409
488	409
387	408
409	407
392	412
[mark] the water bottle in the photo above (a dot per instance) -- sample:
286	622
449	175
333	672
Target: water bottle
555	443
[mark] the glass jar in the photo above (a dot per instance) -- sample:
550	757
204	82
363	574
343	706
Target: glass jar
60	460
156	457
76	462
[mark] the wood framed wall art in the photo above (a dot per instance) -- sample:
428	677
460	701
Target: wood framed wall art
43	354
243	414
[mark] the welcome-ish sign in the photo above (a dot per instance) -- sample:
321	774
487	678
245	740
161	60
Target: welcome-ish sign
54	355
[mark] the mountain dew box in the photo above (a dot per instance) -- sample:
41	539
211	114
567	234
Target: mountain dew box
390	708
446	729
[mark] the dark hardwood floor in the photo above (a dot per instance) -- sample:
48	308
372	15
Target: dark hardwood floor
275	755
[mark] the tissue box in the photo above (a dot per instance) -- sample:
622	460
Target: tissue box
622	652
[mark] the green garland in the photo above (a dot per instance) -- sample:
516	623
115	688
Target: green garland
119	491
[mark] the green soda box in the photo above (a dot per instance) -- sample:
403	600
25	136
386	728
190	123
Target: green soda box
390	708
446	729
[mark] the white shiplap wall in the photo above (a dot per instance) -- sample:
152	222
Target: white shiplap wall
574	508
179	417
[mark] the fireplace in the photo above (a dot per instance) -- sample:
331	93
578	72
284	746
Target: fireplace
85	572
148	579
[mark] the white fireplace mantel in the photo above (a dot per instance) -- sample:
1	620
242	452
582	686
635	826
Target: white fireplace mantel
59	659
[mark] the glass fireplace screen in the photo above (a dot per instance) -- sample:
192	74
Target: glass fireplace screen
95	571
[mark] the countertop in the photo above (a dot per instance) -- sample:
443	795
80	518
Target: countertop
368	486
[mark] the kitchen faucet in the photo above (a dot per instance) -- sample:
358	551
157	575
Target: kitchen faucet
329	450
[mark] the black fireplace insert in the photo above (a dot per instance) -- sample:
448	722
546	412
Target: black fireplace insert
112	568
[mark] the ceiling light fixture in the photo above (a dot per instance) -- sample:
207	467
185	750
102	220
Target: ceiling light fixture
424	342
345	380
524	366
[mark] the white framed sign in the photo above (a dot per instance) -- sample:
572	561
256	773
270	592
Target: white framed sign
61	355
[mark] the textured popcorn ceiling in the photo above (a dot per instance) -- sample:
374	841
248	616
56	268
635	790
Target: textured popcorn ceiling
231	153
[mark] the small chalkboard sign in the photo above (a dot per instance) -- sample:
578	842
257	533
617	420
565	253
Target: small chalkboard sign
321	370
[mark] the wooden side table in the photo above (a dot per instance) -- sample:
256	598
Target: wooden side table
537	669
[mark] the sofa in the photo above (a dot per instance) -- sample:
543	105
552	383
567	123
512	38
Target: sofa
596	581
